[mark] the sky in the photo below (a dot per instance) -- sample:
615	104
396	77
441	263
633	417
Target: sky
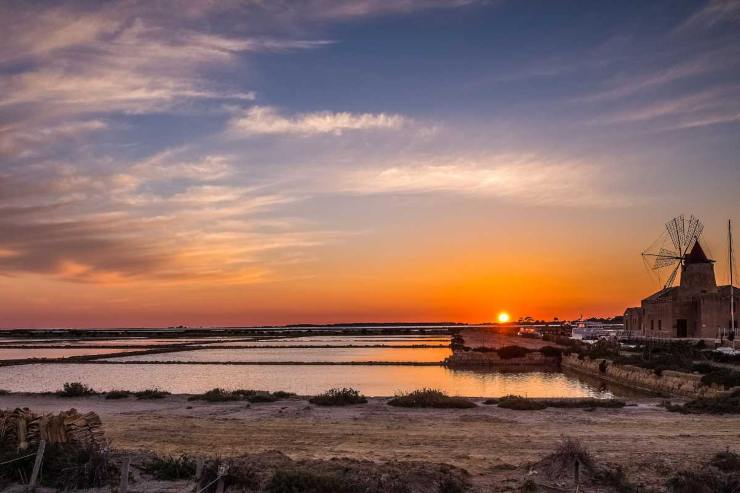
273	162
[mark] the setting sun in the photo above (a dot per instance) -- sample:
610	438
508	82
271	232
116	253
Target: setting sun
503	317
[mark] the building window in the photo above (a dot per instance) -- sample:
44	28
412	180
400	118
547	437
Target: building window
652	324
660	324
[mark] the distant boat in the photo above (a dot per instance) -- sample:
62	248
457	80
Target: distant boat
589	330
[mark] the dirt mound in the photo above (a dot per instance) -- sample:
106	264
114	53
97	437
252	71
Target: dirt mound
274	472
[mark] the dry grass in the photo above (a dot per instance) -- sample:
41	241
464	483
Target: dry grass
430	398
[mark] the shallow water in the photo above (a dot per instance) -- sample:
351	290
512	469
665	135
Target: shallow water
299	354
306	380
13	354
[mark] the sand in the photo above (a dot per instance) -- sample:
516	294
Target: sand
495	445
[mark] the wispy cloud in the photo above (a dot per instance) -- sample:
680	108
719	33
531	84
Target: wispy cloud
713	13
525	179
265	120
696	106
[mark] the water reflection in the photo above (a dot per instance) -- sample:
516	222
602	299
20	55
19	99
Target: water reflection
372	380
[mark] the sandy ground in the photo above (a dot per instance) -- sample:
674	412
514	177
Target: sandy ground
494	445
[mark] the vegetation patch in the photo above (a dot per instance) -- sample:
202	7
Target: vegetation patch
66	467
430	398
723	377
75	389
520	403
117	394
170	468
4	392
216	395
720	474
222	395
511	352
274	472
338	397
724	404
151	394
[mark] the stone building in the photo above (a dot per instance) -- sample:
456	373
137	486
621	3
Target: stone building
696	308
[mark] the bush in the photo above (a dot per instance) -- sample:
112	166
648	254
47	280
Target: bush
306	481
4	392
262	396
726	461
117	394
720	474
75	389
170	468
430	398
511	352
338	397
725	404
551	352
281	394
567	453
69	467
722	376
151	394
520	403
215	395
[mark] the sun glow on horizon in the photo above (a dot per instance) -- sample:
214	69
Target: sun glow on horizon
503	317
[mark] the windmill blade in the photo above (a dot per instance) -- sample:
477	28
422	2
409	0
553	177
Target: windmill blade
694	230
674	228
672	277
665	261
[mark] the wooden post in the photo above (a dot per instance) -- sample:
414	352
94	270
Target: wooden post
220	486
198	468
578	475
123	488
37	465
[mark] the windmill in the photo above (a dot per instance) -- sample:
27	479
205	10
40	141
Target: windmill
667	254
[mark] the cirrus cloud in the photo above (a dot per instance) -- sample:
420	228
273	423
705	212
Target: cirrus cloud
265	120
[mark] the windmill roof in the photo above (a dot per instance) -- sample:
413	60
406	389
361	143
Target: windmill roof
697	256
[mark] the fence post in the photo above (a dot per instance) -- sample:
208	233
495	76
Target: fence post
37	465
123	488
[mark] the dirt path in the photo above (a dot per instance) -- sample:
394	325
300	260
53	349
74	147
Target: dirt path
494	445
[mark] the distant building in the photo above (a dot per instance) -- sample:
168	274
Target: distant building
696	308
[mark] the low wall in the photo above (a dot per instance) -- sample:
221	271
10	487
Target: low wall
477	358
670	383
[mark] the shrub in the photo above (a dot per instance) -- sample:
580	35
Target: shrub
75	389
306	481
281	394
722	376
151	394
724	404
726	461
703	368
520	403
69	467
170	468
510	352
262	396
551	352
566	454
430	398
215	395
117	394
338	397
4	392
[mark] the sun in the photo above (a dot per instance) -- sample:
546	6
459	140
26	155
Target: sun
503	317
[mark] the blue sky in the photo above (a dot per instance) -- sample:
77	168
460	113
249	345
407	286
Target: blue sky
256	145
